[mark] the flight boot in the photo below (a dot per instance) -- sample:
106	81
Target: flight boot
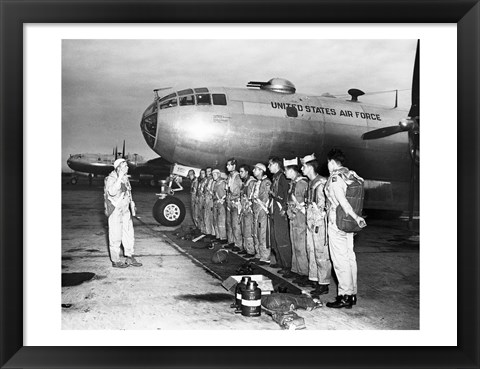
289	275
320	289
307	283
119	264
300	279
342	301
132	261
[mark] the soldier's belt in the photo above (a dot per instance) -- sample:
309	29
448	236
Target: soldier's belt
262	205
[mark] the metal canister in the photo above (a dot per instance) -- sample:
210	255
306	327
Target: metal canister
252	300
238	293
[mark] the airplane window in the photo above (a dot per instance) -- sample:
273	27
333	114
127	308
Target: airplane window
187	100
219	99
188	91
201	90
168	103
150	124
151	109
168	97
203	99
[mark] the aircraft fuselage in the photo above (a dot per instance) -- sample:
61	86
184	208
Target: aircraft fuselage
254	126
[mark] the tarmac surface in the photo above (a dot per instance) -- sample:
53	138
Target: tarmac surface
178	287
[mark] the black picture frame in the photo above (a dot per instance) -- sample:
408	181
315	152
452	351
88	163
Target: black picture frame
14	14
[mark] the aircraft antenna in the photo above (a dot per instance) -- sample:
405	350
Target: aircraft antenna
256	84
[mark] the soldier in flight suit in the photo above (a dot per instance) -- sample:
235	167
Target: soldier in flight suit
320	267
260	199
246	215
340	242
193	195
219	197
279	235
201	200
208	207
296	214
119	208
234	185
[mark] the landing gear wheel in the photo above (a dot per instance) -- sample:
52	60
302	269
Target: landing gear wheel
169	211
73	181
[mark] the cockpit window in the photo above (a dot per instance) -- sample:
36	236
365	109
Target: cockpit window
219	99
151	109
201	90
187	100
168	101
203	99
188	91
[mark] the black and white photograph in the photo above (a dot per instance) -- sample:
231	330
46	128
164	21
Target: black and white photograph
217	184
229	184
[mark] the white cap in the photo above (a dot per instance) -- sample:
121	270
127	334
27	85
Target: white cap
216	171
287	163
118	162
261	166
308	158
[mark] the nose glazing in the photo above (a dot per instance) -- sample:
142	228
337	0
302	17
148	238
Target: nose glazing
148	126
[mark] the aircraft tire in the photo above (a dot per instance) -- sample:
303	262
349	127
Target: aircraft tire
169	212
73	181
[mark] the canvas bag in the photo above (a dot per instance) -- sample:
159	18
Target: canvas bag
355	195
109	207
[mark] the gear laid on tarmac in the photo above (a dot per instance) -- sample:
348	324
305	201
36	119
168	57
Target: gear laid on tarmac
200	250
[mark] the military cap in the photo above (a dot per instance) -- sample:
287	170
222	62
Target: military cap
118	162
308	158
261	166
287	163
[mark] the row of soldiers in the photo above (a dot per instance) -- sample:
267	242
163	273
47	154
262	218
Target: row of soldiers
287	222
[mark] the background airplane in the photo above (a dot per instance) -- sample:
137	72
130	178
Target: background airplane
102	164
205	126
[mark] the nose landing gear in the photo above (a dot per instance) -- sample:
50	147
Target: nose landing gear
169	210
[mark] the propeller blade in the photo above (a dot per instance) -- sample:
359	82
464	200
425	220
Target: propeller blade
116	152
415	108
382	132
123	152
